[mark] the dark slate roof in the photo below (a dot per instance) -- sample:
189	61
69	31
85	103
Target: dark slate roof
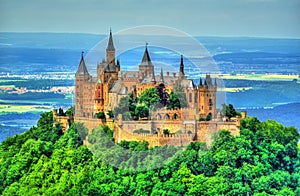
82	70
146	58
110	45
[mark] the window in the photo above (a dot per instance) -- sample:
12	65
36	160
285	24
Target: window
158	117
190	97
167	117
196	98
175	116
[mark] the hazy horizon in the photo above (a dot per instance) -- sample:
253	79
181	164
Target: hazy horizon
247	18
106	34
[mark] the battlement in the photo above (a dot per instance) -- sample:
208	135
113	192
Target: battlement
62	119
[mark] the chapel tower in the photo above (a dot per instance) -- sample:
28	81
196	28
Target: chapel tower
207	97
110	50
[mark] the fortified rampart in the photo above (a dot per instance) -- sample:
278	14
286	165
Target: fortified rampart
64	121
187	131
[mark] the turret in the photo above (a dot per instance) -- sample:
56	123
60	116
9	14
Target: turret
98	97
207	97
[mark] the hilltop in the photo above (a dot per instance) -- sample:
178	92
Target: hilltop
263	160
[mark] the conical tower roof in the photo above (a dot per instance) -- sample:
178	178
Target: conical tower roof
82	70
146	58
110	45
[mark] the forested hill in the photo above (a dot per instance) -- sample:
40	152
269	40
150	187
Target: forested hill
263	160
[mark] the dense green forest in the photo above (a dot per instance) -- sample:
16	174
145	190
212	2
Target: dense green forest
263	160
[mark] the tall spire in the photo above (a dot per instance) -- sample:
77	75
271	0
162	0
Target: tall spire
181	70
82	70
146	58
110	45
153	76
161	75
200	84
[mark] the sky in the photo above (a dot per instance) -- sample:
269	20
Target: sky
251	18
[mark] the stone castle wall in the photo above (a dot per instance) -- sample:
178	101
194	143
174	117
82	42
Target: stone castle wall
153	139
64	121
191	131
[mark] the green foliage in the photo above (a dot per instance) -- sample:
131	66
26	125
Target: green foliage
110	113
126	107
174	102
229	111
134	145
208	117
141	111
70	111
201	119
166	131
181	96
149	97
100	115
263	160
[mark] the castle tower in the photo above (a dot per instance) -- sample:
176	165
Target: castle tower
207	97
110	50
146	67
98	97
181	69
82	77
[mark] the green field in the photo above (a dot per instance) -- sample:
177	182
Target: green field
8	108
259	77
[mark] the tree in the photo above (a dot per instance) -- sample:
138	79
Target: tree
141	111
126	104
174	102
166	131
100	115
208	117
149	97
181	96
229	111
70	111
110	113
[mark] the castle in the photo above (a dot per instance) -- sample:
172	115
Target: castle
102	93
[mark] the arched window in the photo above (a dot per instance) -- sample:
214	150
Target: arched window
167	117
190	97
175	116
158	117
